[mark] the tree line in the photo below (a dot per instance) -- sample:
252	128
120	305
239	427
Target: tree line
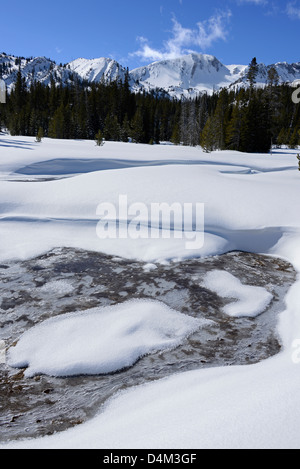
248	119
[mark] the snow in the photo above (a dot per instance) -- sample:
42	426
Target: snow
100	340
39	68
250	300
148	267
2	352
55	212
192	74
233	407
185	76
250	204
95	70
57	287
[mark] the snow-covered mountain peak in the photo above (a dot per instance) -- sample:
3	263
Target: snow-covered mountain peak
32	69
186	76
287	73
95	70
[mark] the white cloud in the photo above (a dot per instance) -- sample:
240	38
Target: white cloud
256	2
293	10
184	39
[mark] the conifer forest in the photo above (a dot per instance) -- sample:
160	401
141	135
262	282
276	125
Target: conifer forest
246	119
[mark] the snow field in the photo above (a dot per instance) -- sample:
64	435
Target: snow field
250	204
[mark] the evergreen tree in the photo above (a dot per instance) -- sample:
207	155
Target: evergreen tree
184	119
17	119
175	137
207	139
298	158
273	77
283	137
125	129
220	120
245	120
57	123
137	127
193	125
255	129
99	138
234	127
40	135
294	140
111	129
252	72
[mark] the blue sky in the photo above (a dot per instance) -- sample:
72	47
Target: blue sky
137	32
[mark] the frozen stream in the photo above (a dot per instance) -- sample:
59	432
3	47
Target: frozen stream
67	280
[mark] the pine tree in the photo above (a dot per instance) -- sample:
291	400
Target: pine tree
255	128
125	129
252	72
298	158
207	138
233	130
184	121
111	129
99	138
175	137
220	120
137	127
40	135
273	77
57	124
282	138
193	128
17	120
294	140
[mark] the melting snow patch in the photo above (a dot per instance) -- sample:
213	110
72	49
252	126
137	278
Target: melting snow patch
100	340
59	287
149	266
2	352
250	300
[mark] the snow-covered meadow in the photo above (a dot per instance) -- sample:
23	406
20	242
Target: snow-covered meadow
49	197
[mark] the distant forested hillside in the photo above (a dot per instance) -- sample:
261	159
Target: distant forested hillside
246	119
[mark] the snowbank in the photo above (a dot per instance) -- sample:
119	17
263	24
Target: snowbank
100	340
250	204
38	216
251	300
254	406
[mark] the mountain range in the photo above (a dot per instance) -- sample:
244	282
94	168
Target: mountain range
185	76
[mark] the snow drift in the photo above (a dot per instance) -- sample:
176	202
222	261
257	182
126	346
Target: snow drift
100	340
250	204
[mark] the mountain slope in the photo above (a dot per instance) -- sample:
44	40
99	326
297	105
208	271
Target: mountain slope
38	68
287	73
186	76
95	70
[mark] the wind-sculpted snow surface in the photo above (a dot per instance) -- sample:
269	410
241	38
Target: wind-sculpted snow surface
250	205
